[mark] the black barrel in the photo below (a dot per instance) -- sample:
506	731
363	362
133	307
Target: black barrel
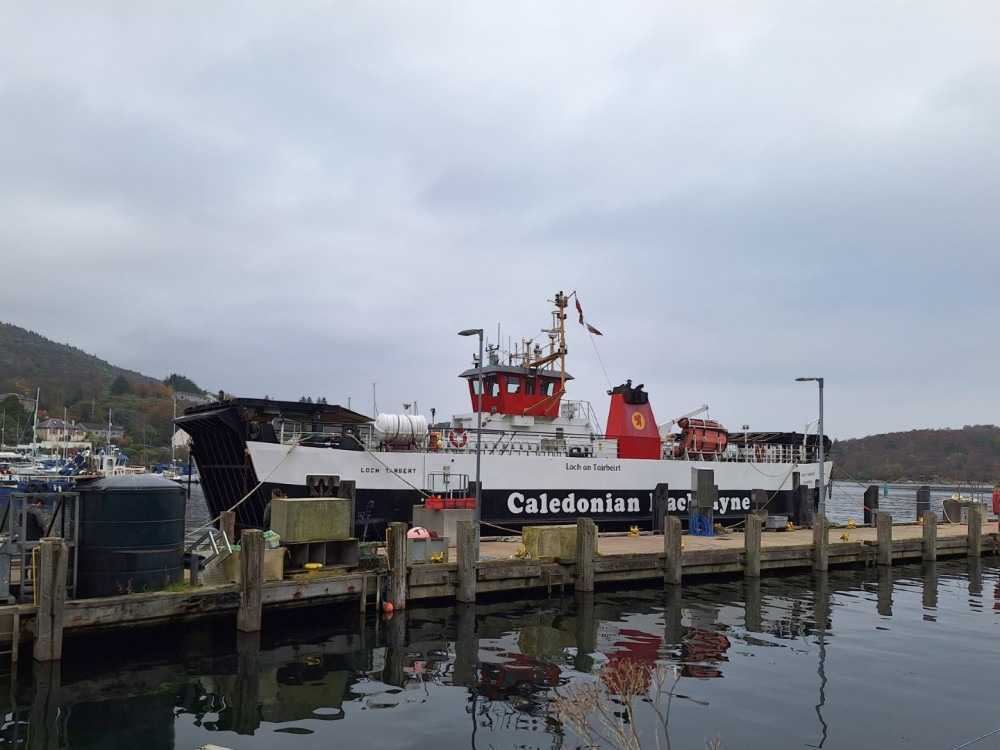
131	535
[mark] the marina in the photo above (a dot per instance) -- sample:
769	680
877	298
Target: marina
816	660
408	571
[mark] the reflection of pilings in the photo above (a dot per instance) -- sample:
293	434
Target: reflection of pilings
586	632
975	576
45	706
246	706
752	617
673	627
396	649
884	605
466	646
821	618
930	597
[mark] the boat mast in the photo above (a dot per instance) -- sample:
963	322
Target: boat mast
34	425
557	341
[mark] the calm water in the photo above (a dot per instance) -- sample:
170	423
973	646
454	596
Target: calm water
900	658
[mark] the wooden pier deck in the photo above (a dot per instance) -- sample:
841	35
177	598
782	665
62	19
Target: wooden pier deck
669	558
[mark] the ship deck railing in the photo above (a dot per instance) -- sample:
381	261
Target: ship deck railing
554	444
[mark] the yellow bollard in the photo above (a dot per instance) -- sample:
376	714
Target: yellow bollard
850	523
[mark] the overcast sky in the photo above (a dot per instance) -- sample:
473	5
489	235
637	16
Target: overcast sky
313	198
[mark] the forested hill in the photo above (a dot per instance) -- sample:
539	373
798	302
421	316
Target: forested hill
66	375
84	389
971	454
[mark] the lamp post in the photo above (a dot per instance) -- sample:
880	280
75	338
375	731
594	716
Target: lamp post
822	451
476	513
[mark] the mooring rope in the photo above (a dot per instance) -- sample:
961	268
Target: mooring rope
973	742
251	492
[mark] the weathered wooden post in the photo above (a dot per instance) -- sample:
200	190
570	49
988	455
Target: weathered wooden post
821	543
50	584
248	616
586	549
396	548
871	504
751	546
930	535
672	551
705	494
883	535
661	498
466	550
227	524
976	513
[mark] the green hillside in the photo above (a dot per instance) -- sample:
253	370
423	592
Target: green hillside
971	454
84	389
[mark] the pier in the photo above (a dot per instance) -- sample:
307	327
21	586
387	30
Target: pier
545	559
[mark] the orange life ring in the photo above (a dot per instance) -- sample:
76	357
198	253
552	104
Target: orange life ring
458	438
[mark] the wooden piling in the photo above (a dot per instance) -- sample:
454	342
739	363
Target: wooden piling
672	551
227	524
821	543
976	512
396	549
930	535
586	549
751	546
248	616
466	551
50	590
883	536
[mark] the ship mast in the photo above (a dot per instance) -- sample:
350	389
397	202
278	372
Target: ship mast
557	341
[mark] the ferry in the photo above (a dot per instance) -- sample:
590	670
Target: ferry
540	457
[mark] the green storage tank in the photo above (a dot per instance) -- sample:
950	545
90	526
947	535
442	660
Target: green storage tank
131	535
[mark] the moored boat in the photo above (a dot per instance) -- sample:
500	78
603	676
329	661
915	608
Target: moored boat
543	459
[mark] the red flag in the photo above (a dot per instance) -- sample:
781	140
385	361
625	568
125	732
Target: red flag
579	310
593	330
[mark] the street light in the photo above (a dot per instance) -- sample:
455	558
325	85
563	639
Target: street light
476	513
822	451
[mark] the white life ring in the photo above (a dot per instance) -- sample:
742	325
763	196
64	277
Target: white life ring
458	438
